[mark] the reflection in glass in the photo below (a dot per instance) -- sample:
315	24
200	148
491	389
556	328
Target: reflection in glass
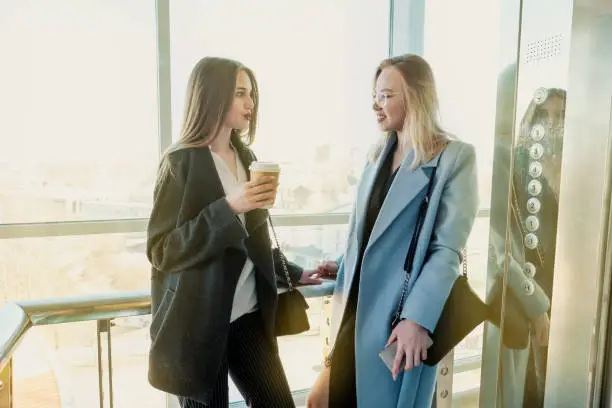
529	255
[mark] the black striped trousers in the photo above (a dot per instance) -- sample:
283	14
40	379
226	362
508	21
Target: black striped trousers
254	366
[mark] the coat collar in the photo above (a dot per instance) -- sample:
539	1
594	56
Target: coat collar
406	186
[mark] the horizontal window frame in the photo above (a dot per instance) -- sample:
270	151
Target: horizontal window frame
120	226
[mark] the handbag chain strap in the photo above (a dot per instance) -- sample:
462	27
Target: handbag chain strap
281	256
413	244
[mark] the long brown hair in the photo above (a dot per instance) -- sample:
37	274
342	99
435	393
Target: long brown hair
210	94
421	101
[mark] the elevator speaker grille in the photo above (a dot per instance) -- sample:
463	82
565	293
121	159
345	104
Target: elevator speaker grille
544	49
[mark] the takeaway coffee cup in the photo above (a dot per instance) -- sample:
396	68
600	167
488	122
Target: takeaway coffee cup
260	169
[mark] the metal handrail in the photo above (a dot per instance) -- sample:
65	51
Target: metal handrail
18	317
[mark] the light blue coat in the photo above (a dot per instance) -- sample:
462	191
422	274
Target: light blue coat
451	214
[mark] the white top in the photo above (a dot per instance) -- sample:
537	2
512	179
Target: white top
245	296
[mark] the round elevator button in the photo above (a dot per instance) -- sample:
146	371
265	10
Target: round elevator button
531	241
535	169
534	187
532	223
540	95
529	269
536	151
537	132
528	287
533	205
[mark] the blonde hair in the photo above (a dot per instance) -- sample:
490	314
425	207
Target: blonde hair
421	100
210	94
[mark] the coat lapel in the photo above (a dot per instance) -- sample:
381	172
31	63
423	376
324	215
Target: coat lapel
407	185
367	183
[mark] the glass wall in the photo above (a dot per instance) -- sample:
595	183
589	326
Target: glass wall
461	42
314	61
81	86
79	108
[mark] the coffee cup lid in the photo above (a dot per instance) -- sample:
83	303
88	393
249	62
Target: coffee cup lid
264	166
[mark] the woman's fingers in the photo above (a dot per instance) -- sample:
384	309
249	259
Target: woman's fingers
424	354
409	358
262	189
262	182
417	358
264	197
391	338
397	362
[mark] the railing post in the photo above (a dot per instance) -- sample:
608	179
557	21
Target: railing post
444	383
103	326
326	324
6	386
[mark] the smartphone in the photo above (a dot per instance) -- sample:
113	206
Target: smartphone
387	355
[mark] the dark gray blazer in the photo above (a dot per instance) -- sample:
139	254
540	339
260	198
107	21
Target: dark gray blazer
197	248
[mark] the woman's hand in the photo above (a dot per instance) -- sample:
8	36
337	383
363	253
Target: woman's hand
319	393
310	278
253	194
412	342
541	325
328	269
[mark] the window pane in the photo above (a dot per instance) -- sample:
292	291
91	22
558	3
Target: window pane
462	45
307	246
53	267
57	366
315	62
130	347
78	103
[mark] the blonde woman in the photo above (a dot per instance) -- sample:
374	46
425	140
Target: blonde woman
371	271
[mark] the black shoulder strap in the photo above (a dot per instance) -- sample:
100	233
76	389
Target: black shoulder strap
420	220
413	244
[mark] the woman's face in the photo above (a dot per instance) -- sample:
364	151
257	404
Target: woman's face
242	106
551	113
389	104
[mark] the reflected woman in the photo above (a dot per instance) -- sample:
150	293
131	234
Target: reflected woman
371	271
533	205
213	280
541	141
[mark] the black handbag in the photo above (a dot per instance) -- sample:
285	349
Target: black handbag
291	317
463	310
